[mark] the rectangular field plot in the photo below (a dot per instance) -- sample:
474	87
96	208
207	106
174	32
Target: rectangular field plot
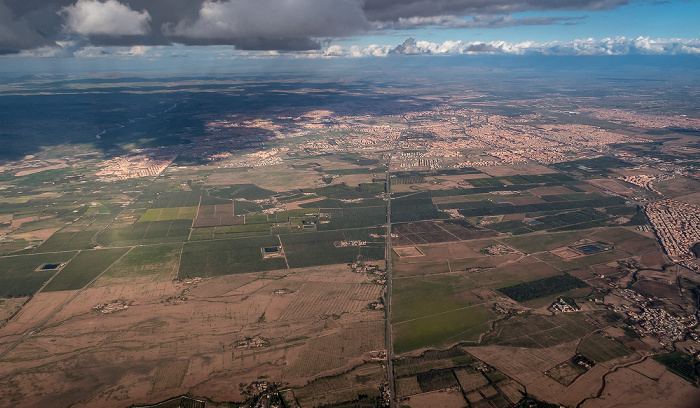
680	364
84	268
545	242
168	214
217	215
425	232
526	270
144	264
67	241
417	297
169	199
230	231
313	300
542	287
147	232
228	256
628	241
537	331
352	217
601	349
321	248
465	324
19	275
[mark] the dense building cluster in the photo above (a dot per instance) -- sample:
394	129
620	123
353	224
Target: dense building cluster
126	167
677	224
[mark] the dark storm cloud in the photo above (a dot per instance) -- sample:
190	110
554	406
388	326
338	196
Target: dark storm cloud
392	10
251	24
451	21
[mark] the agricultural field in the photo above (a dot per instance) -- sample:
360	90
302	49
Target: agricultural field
228	256
601	349
436	311
240	240
168	214
22	275
86	266
68	241
542	287
144	264
321	248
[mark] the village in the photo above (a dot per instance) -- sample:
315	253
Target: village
677	225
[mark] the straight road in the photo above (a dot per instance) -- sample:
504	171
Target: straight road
387	304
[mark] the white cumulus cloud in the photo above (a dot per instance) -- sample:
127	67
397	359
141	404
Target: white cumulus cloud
586	46
95	17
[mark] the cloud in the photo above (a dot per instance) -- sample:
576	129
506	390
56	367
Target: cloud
589	46
108	18
300	25
486	21
270	24
16	33
393	10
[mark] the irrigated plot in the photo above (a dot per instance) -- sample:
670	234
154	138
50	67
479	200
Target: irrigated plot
327	248
144	264
217	215
229	256
601	349
68	241
442	329
147	232
537	331
168	214
525	270
23	275
417	297
84	268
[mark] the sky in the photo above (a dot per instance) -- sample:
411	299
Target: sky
345	28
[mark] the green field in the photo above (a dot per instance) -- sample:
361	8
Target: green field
680	364
443	329
18	274
435	311
84	268
228	256
537	331
149	263
67	241
245	191
542	287
354	217
230	231
168	214
318	248
147	232
601	349
544	242
429	295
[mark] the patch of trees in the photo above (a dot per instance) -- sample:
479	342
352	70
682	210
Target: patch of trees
542	287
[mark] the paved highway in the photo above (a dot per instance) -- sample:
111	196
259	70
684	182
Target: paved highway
387	303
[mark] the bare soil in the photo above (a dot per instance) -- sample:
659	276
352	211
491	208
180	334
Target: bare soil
177	338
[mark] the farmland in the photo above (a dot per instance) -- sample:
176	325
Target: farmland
228	256
86	266
213	235
600	349
20	277
542	287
